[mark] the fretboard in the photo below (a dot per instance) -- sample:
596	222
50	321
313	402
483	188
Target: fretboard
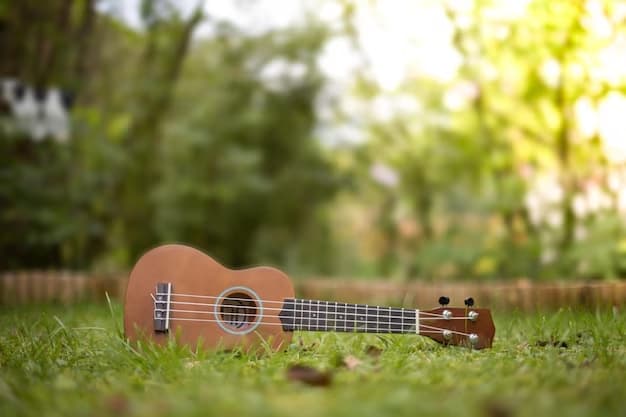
313	315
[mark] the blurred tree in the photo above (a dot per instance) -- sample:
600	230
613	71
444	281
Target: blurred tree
41	45
167	43
480	144
234	167
244	175
47	43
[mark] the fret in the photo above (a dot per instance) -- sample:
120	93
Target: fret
377	319
323	316
338	317
396	320
302	314
417	322
332	317
318	316
306	313
345	317
295	314
402	322
367	320
351	317
409	321
298	315
408	318
328	316
360	318
372	319
341	317
389	319
315	318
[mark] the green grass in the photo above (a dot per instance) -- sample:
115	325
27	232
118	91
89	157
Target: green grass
60	361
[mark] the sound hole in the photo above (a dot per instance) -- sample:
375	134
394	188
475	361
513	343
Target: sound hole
238	311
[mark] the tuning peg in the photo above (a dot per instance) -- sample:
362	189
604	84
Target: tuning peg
469	301
444	301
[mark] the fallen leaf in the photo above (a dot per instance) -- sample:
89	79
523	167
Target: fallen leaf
555	343
497	409
351	362
308	375
117	403
373	351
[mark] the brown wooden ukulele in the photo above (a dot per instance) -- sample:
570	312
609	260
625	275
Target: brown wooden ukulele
177	291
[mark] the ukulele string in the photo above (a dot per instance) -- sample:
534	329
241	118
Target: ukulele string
340	313
282	303
423	328
325	320
311	320
248	299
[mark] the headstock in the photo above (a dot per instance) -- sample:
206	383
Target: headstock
464	326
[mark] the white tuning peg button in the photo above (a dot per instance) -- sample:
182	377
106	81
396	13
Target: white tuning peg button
472	315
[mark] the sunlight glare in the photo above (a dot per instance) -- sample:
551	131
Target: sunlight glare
404	38
611	113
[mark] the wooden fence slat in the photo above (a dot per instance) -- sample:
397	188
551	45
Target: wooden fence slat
524	294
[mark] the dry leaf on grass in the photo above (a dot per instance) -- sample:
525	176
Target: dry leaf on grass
308	375
117	403
555	343
497	409
373	351
352	362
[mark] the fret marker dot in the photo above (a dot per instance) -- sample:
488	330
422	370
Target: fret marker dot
341	317
314	315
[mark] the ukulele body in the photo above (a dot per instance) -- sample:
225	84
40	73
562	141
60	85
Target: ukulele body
223	308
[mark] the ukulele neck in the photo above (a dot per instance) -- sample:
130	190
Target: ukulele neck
314	315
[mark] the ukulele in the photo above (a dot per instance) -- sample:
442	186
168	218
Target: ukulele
177	291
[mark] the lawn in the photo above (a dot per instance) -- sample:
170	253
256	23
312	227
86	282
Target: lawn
60	361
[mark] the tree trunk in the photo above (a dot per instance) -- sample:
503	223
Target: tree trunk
156	88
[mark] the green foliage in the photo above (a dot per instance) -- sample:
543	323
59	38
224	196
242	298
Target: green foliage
34	200
244	175
468	169
213	141
174	141
71	361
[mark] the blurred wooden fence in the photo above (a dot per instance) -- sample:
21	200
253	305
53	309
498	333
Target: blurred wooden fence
60	286
503	295
68	287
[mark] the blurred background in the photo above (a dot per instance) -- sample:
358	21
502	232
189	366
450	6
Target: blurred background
434	140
